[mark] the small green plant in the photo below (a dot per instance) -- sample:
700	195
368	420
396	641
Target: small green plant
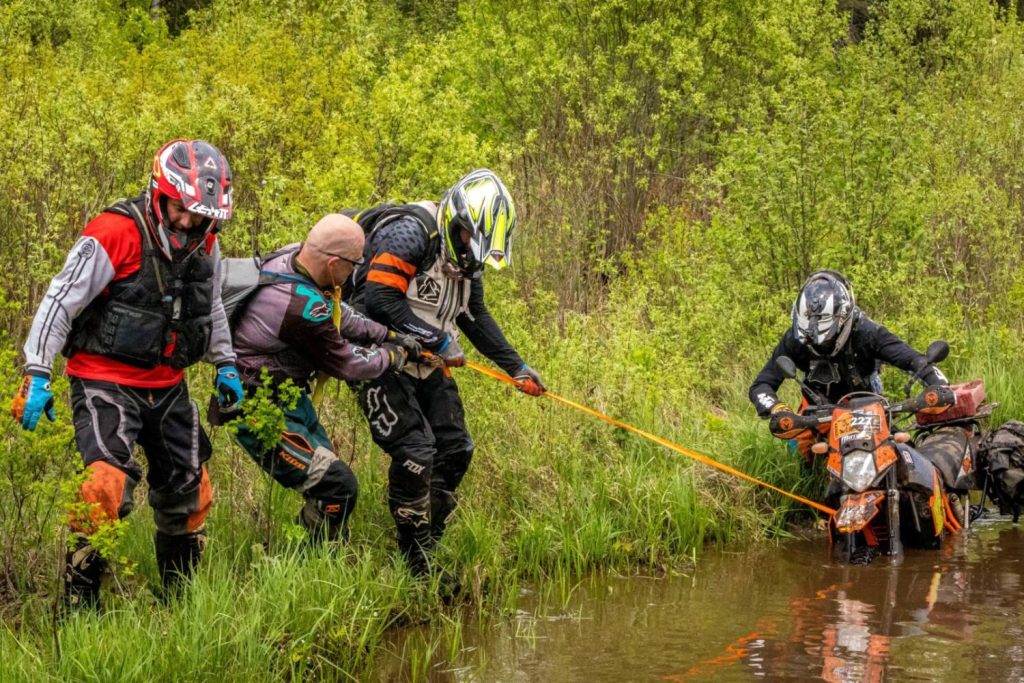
263	409
263	414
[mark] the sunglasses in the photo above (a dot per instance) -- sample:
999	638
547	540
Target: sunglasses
358	262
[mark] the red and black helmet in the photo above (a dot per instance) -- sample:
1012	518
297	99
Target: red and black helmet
195	173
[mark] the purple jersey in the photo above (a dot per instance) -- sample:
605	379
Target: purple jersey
286	327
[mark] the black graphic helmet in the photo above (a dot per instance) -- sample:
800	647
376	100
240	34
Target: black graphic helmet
824	312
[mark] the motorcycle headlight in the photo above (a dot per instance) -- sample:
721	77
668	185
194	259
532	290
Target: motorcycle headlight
859	470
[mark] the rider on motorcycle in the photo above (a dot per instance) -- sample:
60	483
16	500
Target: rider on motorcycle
839	350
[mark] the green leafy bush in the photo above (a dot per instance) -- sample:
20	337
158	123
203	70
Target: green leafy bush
679	169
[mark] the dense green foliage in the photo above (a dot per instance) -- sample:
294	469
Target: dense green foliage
679	167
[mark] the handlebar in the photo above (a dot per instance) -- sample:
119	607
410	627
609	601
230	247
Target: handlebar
939	396
935	397
783	422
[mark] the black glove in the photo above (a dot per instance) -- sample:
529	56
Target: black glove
411	344
932	377
452	354
529	381
396	354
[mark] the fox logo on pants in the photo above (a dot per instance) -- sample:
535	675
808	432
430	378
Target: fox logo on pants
382	417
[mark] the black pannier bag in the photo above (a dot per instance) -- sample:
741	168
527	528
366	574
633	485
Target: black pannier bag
1001	460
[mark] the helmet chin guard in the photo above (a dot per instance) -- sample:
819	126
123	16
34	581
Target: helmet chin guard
824	312
480	206
195	173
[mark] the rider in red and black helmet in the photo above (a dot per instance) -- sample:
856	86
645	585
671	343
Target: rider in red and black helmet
137	302
197	174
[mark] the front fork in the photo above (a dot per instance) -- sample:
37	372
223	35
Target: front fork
893	494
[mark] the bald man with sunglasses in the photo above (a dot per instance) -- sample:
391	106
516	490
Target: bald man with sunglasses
287	328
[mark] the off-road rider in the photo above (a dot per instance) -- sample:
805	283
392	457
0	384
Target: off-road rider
137	302
423	277
838	348
286	327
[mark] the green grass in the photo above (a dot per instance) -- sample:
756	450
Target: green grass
551	496
544	505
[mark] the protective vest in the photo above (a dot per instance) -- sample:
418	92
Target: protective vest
434	296
159	315
438	298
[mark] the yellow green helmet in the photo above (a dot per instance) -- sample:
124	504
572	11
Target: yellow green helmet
476	218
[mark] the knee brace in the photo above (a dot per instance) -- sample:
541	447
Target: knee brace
106	496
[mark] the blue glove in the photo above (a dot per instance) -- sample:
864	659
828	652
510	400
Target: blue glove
229	387
32	400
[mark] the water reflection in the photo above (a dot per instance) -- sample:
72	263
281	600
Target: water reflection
775	612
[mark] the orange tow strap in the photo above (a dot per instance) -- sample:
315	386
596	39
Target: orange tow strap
700	457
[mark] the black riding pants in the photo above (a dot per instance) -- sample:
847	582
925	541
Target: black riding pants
420	423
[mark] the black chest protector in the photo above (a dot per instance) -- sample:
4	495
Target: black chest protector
159	315
838	376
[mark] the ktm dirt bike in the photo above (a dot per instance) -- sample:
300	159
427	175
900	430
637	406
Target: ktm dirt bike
885	492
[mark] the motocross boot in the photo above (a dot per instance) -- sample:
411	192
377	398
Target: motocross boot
177	556
83	571
321	524
412	519
442	504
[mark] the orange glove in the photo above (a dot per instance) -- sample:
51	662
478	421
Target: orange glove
782	422
529	381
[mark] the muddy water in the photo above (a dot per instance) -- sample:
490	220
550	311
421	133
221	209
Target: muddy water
773	612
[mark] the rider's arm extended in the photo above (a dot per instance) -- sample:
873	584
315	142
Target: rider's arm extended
762	391
360	329
307	325
483	332
396	253
890	349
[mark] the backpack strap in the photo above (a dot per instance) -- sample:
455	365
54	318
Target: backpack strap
268	277
374	218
